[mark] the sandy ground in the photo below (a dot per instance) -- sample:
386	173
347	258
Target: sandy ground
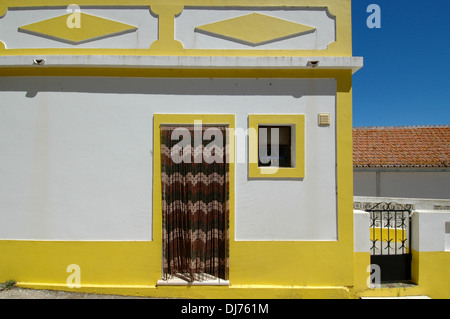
23	293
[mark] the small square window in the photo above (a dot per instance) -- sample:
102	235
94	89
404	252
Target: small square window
274	147
277	146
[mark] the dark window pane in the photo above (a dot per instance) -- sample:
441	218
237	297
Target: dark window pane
274	146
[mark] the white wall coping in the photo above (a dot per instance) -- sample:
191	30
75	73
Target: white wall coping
185	62
430	230
431	211
419	203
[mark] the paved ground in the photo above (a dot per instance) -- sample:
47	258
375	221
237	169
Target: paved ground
22	293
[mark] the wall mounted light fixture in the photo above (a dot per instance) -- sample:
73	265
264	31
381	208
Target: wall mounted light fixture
38	61
313	64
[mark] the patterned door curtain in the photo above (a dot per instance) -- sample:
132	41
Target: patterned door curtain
195	208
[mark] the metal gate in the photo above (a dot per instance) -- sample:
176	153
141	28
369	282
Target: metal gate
390	233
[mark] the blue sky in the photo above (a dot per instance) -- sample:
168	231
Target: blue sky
406	74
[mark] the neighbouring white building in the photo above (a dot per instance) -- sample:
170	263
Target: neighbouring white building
411	161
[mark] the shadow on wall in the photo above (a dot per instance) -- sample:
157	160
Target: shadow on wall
170	86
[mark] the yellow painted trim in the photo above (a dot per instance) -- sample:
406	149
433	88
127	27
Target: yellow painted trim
3	9
101	262
93	27
167	10
362	261
250	29
344	156
298	171
430	270
166	31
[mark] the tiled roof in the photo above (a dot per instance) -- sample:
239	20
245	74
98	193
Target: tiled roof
407	146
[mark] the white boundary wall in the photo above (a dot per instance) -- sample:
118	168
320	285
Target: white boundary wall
430	228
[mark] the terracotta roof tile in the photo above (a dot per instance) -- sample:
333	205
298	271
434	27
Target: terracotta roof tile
407	146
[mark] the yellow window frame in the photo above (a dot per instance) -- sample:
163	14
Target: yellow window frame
297	121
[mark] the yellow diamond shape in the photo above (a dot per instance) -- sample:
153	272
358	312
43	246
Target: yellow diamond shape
255	29
90	28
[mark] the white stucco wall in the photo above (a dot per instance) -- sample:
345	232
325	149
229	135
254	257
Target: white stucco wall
407	183
416	184
361	226
364	183
76	156
430	230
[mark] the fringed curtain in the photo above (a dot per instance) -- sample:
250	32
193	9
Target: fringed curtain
195	185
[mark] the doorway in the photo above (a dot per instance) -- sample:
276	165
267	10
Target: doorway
195	202
390	233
